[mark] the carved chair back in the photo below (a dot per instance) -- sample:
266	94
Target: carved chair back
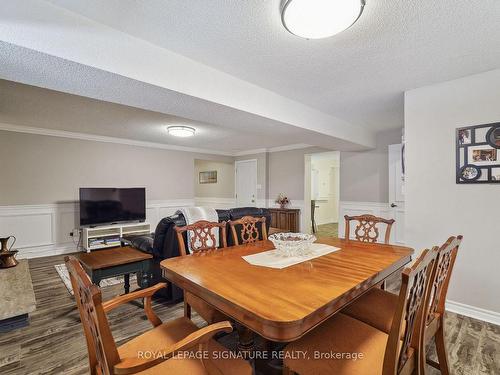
406	336
367	229
101	346
249	229
441	277
202	236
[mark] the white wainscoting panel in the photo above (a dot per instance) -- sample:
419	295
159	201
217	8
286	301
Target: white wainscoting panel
219	203
43	230
378	209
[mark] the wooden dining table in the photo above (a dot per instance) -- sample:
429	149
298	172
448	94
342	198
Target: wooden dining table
282	305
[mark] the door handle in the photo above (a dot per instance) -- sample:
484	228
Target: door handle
393	205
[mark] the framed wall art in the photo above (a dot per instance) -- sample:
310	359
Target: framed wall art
208	177
478	154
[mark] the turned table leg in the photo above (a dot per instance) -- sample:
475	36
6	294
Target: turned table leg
246	342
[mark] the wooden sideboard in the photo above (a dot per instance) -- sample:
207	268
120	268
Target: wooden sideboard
286	219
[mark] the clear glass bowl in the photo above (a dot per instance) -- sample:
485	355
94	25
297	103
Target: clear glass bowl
292	244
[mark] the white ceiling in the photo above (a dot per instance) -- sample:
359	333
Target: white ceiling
359	75
39	108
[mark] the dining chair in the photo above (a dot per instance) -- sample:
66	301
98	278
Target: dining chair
160	350
396	352
201	237
386	303
201	240
367	228
249	232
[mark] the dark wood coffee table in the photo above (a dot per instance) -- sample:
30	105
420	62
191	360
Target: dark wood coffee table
103	264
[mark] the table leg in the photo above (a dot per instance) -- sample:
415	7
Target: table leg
96	278
246	342
126	278
145	279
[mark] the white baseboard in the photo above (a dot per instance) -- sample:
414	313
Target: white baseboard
46	251
473	312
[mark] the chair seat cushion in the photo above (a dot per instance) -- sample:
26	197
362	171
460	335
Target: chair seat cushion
153	341
318	351
158	338
376	308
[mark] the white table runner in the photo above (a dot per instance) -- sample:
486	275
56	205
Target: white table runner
273	258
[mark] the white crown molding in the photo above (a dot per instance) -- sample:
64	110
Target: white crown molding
106	139
131	142
251	152
296	146
473	312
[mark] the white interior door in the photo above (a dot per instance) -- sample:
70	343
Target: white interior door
396	178
396	210
246	183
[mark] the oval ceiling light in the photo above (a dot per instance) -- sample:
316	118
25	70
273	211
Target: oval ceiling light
181	131
316	19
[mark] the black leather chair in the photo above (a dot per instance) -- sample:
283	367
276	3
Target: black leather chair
163	243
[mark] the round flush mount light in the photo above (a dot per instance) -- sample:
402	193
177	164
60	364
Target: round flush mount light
181	131
316	19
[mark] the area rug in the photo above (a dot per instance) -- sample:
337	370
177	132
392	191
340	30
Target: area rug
64	275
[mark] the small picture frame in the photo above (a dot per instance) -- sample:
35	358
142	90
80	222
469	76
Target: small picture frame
208	177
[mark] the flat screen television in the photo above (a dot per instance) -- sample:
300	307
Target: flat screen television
111	205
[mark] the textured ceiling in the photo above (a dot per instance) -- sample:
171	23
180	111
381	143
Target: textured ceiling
37	107
359	75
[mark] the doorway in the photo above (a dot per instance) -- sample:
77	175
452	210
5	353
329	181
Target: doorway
246	183
323	193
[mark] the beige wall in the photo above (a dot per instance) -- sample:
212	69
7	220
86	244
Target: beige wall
224	188
437	207
36	169
286	173
364	176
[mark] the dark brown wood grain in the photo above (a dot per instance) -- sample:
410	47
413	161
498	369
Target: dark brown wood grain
286	219
112	257
283	304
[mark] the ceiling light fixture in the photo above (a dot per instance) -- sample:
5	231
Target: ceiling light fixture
181	131
316	19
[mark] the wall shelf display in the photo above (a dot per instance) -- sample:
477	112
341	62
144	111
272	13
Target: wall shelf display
478	154
209	177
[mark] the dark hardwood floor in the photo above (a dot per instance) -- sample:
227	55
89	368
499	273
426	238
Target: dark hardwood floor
53	343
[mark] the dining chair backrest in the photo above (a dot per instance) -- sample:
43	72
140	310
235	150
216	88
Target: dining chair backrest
406	335
202	236
441	277
101	346
367	228
249	229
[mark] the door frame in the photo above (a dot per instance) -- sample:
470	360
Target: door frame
236	162
306	212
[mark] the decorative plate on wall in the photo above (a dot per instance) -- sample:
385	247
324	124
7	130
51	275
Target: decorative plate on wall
478	154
